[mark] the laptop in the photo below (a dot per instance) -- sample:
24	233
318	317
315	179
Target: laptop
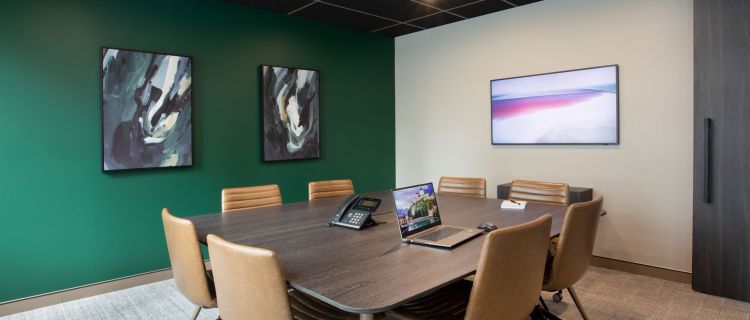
418	218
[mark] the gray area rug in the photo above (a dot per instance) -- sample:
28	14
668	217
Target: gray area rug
605	293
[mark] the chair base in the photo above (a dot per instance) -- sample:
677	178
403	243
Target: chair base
558	296
196	312
577	302
542	313
544	304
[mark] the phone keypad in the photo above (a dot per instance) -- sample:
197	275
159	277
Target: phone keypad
356	217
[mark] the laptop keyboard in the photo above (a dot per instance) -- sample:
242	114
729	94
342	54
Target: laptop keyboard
440	234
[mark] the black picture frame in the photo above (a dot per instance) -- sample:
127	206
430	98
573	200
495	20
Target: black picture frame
187	148
280	122
617	111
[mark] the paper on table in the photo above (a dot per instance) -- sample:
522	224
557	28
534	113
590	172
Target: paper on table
517	204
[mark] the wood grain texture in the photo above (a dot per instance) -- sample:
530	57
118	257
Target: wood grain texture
721	228
371	270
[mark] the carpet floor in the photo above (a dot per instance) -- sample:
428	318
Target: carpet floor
606	294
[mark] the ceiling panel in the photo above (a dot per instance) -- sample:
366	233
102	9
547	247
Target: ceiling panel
386	17
401	10
320	11
284	6
482	8
436	20
523	2
447	4
398	30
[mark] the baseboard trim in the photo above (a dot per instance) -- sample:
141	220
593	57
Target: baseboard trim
642	269
84	291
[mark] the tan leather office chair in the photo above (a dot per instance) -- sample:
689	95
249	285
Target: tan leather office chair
187	263
236	199
537	191
507	283
572	254
330	189
474	187
544	192
250	284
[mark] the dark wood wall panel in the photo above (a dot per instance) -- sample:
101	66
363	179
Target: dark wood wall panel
721	227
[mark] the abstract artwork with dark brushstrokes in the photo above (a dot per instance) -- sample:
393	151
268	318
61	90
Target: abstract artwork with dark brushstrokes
146	110
291	102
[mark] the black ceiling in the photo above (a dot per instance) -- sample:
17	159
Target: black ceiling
387	17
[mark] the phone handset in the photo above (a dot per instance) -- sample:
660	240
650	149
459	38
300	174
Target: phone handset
355	212
345	206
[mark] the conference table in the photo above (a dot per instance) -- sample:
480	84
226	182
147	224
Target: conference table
371	270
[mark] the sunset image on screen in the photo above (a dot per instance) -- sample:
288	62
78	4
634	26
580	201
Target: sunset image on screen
572	107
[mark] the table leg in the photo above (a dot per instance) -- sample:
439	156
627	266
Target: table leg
366	316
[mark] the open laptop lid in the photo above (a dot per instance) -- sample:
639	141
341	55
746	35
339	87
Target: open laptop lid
416	208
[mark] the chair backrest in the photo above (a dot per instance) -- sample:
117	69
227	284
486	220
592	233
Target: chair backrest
187	263
537	191
249	281
576	244
330	189
474	187
236	199
510	272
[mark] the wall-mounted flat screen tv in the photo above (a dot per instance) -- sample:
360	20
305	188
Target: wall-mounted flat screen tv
567	107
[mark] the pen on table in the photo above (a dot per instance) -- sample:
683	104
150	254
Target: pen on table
515	202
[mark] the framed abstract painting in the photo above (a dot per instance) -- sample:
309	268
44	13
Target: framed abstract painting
291	113
146	110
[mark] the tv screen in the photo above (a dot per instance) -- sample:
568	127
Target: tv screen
567	107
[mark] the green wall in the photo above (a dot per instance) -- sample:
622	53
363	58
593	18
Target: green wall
65	223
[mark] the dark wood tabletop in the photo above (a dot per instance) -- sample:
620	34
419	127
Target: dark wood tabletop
370	270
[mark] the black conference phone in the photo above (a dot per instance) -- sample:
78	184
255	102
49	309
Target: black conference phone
355	212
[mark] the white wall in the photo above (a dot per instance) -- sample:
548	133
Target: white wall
443	125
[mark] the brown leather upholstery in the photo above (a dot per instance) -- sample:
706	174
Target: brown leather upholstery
249	281
236	199
330	189
575	245
507	283
510	272
187	263
474	187
250	284
536	191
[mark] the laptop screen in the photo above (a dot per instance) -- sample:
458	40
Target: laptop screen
416	208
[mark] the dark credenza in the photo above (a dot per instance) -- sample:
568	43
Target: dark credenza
577	194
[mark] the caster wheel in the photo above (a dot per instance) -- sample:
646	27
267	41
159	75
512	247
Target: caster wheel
557	297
